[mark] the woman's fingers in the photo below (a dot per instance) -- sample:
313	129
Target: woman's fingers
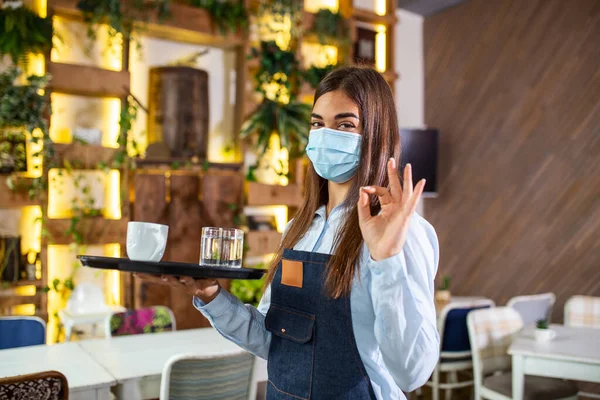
383	193
364	211
395	186
408	183
414	200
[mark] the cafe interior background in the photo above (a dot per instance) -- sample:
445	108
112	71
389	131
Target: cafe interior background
195	113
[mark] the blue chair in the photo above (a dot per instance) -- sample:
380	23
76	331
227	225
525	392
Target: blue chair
455	353
21	332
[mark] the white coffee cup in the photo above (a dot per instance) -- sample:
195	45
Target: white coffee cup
544	335
146	241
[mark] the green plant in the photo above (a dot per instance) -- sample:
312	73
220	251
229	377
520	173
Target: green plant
541	324
278	67
248	291
331	28
228	15
24	31
445	283
315	74
123	17
290	121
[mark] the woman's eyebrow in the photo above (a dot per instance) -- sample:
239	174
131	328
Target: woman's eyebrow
346	115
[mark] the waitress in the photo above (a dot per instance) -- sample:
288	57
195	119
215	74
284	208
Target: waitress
348	311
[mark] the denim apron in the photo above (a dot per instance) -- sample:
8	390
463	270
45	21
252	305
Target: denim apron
313	353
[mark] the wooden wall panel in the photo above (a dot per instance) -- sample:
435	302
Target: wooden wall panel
514	87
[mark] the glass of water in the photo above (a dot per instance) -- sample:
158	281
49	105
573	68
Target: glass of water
210	249
232	247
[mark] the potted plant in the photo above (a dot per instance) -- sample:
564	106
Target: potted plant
542	332
228	15
24	31
331	28
443	295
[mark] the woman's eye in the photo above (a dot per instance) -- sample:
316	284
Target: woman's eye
316	124
346	125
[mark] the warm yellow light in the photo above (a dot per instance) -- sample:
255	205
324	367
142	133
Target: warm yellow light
281	216
318	55
104	52
37	64
114	277
380	44
24	309
315	5
28	290
274	164
112	199
270	29
111	111
30	228
380	7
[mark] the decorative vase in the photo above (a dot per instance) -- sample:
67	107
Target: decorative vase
442	297
178	110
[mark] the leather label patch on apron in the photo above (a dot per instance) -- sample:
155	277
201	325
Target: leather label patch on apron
291	273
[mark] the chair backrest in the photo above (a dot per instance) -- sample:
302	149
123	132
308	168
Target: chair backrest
452	326
533	307
188	376
490	333
48	385
139	321
21	332
583	311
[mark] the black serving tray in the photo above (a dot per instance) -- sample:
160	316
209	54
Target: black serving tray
170	268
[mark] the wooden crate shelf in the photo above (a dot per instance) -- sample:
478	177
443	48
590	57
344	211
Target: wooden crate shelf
84	156
85	80
259	243
369	16
95	231
16	198
260	194
186	23
9	300
37	283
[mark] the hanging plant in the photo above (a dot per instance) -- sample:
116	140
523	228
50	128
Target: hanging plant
315	74
276	67
290	121
23	32
331	28
228	15
124	18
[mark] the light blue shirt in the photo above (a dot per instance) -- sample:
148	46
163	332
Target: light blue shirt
392	305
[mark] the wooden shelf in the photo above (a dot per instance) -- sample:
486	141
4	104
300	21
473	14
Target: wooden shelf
260	243
18	197
37	283
84	80
9	299
95	231
186	24
83	156
369	16
266	195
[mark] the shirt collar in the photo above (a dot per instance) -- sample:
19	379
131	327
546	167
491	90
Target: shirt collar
322	210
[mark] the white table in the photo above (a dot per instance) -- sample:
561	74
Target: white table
573	354
87	379
137	361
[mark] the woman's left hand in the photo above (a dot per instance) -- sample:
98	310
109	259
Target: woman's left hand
386	232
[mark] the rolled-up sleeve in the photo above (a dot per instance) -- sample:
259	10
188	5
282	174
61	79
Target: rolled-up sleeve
241	323
402	291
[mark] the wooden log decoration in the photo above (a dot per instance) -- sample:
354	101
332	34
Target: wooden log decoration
178	110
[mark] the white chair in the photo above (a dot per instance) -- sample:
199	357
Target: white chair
533	307
86	305
583	311
490	333
188	376
455	349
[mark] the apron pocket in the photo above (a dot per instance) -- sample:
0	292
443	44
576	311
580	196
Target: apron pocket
291	354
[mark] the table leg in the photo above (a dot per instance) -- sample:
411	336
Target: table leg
518	377
68	330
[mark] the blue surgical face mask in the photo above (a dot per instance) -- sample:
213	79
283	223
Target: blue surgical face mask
334	154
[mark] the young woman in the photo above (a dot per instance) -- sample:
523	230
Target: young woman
348	312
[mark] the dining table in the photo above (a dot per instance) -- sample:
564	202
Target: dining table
136	361
87	379
574	353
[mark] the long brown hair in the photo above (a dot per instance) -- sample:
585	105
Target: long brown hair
380	141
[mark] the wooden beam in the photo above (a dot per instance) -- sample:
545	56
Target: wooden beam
265	195
369	16
83	156
19	197
86	80
95	231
